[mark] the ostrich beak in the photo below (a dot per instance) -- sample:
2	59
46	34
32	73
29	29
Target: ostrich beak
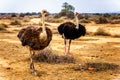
77	14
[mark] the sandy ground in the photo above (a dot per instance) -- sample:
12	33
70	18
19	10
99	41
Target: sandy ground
14	58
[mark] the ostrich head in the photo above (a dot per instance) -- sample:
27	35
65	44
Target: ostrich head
77	14
44	12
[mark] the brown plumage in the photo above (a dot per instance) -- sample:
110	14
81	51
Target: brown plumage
30	37
36	38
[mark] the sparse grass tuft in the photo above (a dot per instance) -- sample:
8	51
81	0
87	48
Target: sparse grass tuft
16	22
116	35
55	20
97	67
59	20
3	26
101	20
85	21
47	56
40	24
101	31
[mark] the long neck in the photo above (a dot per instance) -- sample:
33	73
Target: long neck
43	23
77	23
43	34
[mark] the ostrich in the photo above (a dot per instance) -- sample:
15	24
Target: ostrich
70	31
35	38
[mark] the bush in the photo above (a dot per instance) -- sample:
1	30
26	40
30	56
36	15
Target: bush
13	15
107	15
54	20
85	21
102	20
3	26
21	15
101	31
116	35
70	15
115	21
56	16
59	20
16	22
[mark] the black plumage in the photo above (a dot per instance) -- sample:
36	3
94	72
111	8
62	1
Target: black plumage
70	31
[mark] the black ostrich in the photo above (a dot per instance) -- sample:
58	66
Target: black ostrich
70	31
35	38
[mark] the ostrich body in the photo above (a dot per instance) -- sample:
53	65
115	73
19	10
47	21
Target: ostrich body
70	31
35	38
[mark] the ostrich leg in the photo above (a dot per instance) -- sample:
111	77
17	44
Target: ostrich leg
32	68
69	46
64	44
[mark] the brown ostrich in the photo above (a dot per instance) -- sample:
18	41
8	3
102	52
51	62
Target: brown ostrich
35	38
70	31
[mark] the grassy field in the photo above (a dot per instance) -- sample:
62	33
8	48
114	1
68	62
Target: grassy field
97	56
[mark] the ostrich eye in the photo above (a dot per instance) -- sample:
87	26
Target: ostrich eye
44	11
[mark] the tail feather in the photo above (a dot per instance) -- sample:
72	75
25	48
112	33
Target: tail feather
60	29
82	29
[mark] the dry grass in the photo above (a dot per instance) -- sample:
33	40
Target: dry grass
100	66
116	36
101	31
47	56
3	26
16	22
54	20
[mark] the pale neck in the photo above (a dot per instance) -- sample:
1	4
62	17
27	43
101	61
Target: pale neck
43	22
77	23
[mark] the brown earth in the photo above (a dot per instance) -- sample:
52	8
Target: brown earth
14	58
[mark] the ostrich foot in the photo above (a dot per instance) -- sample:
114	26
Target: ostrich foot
32	69
69	54
34	72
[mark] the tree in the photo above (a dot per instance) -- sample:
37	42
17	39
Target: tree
67	10
67	7
71	8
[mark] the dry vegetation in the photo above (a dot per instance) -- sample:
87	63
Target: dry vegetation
93	57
